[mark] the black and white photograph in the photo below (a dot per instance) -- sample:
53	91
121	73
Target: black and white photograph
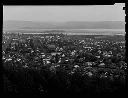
65	50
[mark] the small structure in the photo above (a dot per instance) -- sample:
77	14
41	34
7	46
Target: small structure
101	65
55	53
89	63
76	66
89	74
51	46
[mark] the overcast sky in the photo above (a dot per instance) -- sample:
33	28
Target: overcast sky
65	13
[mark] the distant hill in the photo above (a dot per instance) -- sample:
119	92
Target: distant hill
64	25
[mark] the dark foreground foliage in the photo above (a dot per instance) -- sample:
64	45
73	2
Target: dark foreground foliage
44	82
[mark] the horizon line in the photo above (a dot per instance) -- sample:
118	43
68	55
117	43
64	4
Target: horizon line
67	21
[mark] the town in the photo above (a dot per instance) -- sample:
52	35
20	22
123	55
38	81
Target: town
55	62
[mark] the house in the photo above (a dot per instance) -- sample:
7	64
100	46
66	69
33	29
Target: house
89	63
54	53
101	65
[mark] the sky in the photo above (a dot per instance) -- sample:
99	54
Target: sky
65	13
